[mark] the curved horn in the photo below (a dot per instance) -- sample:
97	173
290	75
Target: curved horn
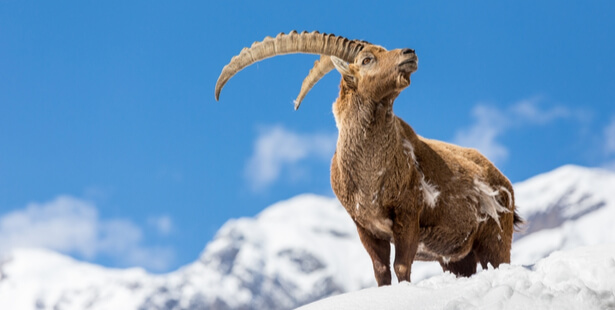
320	69
311	43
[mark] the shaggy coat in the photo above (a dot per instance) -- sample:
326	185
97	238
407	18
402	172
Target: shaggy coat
433	200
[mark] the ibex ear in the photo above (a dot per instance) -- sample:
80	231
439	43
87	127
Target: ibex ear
345	71
340	65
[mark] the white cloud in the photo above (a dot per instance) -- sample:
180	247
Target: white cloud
528	111
163	224
70	225
609	138
609	145
491	123
277	148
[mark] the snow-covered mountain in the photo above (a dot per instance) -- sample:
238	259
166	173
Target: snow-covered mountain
296	252
292	253
566	208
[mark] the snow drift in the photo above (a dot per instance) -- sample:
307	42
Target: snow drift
577	279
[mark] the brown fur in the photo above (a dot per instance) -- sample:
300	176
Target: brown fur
388	179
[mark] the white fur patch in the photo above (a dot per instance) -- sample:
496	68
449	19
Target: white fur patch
510	198
423	249
409	150
488	202
466	238
430	192
446	259
480	219
385	226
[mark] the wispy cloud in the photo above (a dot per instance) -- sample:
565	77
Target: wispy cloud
492	123
482	135
277	148
609	145
73	226
609	137
528	111
163	224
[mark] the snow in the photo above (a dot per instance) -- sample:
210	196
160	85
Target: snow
571	190
577	279
306	249
35	276
579	187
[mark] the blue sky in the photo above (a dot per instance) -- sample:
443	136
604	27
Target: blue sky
113	149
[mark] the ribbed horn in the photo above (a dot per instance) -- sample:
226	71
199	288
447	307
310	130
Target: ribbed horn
320	69
310	43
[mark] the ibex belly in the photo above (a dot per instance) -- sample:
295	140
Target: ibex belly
449	230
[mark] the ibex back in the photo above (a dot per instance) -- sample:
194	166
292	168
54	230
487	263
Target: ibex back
433	200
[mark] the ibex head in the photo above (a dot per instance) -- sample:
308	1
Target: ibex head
368	69
376	74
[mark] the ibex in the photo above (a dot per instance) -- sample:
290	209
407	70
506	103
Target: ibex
433	200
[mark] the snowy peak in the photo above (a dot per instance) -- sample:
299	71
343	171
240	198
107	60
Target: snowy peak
290	251
566	208
564	194
274	241
574	185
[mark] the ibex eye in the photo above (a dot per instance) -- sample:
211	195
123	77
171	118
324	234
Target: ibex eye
366	60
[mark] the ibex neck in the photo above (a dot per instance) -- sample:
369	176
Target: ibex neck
355	113
367	130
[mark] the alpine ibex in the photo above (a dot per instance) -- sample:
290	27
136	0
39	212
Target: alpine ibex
433	200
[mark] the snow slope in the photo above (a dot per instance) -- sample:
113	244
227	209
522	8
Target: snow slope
576	279
306	249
